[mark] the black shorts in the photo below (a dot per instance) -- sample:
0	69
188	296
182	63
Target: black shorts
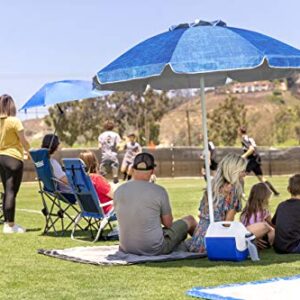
254	166
213	165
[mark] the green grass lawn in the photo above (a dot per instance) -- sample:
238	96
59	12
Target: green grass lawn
24	274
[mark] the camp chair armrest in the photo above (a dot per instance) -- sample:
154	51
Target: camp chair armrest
59	181
106	203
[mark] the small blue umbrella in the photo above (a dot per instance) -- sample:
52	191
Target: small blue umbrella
56	92
199	54
62	91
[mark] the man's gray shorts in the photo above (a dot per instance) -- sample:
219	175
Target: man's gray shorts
174	236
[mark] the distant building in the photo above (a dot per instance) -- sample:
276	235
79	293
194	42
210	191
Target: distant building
251	87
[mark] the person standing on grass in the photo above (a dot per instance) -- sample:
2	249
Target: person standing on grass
132	148
213	165
227	195
287	220
254	159
109	142
142	208
12	145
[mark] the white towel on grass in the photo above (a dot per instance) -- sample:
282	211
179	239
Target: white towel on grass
271	289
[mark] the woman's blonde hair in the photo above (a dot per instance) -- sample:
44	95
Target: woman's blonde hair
229	171
90	160
7	106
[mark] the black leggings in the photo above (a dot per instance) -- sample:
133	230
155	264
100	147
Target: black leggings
11	171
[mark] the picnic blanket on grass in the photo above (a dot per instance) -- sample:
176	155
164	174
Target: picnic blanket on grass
272	289
110	255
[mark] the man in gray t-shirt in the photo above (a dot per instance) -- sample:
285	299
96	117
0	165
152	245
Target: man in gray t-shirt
142	207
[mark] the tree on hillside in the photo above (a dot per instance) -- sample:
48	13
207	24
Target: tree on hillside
224	121
82	121
297	125
154	105
285	123
180	97
297	131
127	112
66	130
141	112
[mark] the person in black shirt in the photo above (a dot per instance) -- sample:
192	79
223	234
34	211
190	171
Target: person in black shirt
213	165
287	220
254	159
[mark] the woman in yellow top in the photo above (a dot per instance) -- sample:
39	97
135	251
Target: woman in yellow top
12	146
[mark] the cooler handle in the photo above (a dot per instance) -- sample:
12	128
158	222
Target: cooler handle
226	224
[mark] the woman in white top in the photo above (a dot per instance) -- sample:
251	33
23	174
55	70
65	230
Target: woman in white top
51	142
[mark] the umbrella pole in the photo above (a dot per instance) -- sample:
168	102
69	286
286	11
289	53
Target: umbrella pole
205	142
61	112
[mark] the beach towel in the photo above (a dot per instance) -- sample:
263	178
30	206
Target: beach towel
110	255
271	289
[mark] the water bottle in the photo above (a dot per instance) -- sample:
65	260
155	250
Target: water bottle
250	239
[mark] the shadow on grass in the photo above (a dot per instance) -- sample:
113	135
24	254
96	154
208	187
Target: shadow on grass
59	234
33	229
269	257
80	235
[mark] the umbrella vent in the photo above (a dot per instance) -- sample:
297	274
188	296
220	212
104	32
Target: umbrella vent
198	22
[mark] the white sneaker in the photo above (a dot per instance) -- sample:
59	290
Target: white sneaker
13	229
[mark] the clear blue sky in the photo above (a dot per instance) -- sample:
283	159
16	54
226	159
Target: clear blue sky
48	40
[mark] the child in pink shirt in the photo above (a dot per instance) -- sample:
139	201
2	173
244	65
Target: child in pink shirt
256	216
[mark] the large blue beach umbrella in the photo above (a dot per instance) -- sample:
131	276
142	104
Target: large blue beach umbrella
62	91
201	54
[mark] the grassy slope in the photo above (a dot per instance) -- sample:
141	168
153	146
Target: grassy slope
24	274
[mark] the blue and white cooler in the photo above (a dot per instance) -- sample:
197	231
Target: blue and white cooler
226	241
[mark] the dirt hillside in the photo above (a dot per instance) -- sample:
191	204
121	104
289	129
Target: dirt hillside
261	111
35	129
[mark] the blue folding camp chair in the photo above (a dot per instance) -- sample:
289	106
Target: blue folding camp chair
87	198
57	205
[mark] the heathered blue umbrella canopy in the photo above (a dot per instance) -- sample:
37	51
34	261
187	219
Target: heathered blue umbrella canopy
175	59
200	54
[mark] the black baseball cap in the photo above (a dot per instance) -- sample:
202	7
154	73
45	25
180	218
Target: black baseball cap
144	162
